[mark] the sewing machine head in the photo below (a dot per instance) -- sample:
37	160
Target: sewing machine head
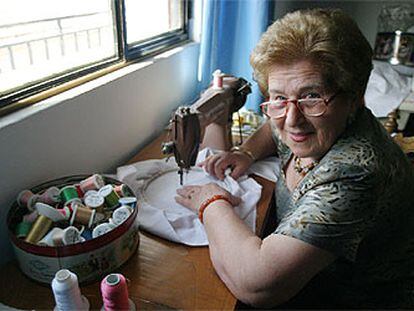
207	121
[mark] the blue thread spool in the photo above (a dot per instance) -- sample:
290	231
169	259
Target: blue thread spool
130	201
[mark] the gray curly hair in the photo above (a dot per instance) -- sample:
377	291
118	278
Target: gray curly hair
327	37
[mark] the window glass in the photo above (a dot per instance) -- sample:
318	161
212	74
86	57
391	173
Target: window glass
44	38
149	18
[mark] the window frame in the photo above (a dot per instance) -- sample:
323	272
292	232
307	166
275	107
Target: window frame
126	54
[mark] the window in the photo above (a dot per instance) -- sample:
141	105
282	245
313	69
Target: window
45	43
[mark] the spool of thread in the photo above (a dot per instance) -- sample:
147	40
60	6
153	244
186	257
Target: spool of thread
27	198
93	182
87	234
121	190
89	192
39	229
67	236
121	214
95	202
66	291
82	215
110	196
79	190
217	79
130	201
68	193
31	217
52	213
48	238
51	196
22	229
102	229
114	291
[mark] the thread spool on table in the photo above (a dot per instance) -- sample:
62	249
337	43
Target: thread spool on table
114	291
66	291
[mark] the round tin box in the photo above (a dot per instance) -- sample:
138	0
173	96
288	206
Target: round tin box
90	260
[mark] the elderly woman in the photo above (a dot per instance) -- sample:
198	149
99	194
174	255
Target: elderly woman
345	208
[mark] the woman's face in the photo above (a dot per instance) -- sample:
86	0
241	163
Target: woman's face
307	137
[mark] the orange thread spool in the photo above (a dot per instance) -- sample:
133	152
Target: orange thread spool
82	215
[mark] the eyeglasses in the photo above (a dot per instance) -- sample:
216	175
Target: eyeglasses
311	107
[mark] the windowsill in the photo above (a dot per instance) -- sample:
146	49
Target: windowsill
19	115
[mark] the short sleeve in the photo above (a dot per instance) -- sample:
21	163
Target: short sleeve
336	214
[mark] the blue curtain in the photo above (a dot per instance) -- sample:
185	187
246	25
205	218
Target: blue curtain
230	31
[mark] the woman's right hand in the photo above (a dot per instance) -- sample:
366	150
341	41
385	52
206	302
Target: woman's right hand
217	164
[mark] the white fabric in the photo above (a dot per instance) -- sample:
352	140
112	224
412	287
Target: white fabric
386	89
155	182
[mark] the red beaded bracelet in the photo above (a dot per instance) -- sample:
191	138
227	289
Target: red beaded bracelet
208	202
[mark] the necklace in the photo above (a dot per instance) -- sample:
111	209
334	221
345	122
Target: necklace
303	170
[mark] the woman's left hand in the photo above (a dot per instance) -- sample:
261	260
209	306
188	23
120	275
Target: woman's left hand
193	196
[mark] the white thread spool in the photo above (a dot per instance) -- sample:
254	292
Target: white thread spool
67	293
121	214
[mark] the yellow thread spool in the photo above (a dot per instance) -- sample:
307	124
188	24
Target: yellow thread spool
39	229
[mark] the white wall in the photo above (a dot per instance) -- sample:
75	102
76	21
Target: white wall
93	128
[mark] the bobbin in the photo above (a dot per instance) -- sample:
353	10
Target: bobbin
50	196
83	215
130	201
39	229
110	196
93	182
102	229
27	198
31	217
22	229
95	202
121	214
48	238
68	193
67	236
53	213
88	193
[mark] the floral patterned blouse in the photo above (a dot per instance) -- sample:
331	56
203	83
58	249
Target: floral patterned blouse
357	203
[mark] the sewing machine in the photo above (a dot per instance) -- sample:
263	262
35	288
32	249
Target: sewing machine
207	122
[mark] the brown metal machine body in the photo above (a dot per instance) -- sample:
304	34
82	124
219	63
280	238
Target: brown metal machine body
205	119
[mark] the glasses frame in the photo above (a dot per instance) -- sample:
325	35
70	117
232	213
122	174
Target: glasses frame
297	102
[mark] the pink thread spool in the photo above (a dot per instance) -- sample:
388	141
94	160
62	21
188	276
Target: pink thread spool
93	182
120	190
28	199
50	196
114	291
31	217
217	79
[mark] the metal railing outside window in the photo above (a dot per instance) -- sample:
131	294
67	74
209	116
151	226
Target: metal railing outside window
63	40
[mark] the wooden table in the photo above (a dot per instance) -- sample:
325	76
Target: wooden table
162	274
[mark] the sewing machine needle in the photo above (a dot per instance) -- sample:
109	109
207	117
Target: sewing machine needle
180	172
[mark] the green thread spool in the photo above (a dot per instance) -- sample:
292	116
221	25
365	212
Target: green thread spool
110	196
68	193
22	229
